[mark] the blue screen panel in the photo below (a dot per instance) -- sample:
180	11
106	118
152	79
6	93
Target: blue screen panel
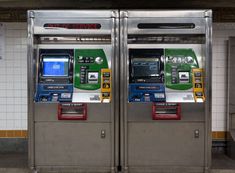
55	66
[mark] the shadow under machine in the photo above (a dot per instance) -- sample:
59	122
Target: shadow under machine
165	111
71	84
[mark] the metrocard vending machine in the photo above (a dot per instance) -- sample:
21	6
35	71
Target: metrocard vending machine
71	59
165	91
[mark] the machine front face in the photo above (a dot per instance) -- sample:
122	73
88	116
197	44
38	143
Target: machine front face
165	64
74	75
71	75
167	72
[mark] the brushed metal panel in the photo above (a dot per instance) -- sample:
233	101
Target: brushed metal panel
231	99
97	112
152	144
232	122
73	16
199	22
231	145
143	112
231	80
166	169
164	13
72	144
193	111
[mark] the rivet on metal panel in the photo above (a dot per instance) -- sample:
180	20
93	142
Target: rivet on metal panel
114	14
103	134
196	133
124	14
31	14
208	13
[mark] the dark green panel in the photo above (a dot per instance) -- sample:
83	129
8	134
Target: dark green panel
81	58
188	60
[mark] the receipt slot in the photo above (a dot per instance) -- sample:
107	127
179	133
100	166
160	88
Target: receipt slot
73	89
165	90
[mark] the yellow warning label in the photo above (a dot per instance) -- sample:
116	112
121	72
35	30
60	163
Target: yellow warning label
106	84
198	84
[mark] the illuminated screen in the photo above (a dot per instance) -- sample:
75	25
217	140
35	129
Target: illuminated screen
55	66
148	68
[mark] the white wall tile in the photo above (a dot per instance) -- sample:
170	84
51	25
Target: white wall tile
17	125
13	78
10	124
221	33
24	116
3	124
3	116
24	124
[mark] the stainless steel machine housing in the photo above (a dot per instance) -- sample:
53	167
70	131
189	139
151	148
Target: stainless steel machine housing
71	145
149	145
230	101
120	135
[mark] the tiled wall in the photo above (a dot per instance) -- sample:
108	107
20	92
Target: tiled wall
221	33
13	77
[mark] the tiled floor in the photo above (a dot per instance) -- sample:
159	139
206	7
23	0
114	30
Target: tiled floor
13	160
13	163
17	163
14	170
221	161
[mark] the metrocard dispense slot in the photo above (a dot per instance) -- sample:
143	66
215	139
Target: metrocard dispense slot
166	111
72	111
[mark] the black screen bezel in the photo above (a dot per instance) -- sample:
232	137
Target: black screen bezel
55	79
148	54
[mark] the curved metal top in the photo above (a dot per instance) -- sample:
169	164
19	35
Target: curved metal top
73	13
43	17
166	13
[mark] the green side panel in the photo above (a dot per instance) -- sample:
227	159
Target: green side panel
81	57
183	60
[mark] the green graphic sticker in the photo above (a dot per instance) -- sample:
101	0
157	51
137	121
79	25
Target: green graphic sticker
178	68
87	68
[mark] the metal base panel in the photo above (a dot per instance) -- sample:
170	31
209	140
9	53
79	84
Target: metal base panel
166	169
231	145
67	144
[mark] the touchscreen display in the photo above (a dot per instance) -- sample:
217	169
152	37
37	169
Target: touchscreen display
145	68
55	66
